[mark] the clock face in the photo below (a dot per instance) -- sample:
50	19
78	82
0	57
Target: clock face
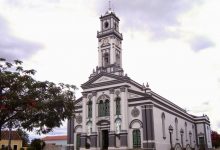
105	41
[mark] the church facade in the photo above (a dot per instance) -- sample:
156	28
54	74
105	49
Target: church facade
115	112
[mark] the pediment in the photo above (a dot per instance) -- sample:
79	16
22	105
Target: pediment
132	95
103	79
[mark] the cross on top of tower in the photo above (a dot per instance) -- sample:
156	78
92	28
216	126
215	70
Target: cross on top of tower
109	8
109	5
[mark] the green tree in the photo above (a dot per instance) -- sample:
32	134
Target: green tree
215	139
24	136
37	144
33	105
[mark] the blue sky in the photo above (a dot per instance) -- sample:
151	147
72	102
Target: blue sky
173	45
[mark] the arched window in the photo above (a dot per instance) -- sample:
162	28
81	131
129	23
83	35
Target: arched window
118	106
106	59
163	125
90	109
136	138
117	58
101	108
186	133
103	105
176	128
193	133
106	108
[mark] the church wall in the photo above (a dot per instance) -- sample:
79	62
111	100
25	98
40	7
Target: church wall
134	122
163	141
208	135
203	130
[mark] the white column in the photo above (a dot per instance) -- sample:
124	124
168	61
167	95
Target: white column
94	111
84	112
124	106
112	124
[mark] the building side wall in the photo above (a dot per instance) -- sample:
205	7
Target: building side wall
163	141
57	142
13	142
133	123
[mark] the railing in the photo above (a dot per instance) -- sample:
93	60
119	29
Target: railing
99	33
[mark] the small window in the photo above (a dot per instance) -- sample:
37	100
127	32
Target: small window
176	127
118	106
107	113
100	108
106	59
90	109
186	133
163	125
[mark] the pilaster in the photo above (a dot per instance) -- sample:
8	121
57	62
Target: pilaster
112	124
84	111
124	107
94	109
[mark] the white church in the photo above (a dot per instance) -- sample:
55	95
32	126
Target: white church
115	112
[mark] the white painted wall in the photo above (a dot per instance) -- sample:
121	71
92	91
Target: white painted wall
164	144
57	142
136	125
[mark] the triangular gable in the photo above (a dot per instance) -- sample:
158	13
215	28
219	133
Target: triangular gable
132	95
103	79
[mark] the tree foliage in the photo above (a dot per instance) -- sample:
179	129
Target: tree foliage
24	136
37	144
31	104
215	139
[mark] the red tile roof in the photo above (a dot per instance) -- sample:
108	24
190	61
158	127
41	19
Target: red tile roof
55	138
14	135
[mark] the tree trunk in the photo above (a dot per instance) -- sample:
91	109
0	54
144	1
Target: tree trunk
9	140
0	132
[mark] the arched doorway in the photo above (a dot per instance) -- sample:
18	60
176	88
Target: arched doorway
136	138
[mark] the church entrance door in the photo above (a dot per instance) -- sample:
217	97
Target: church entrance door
104	139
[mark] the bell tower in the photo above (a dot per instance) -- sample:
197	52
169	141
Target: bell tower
109	44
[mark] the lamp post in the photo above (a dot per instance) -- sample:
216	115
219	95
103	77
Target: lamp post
171	132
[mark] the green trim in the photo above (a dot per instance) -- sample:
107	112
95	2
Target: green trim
136	138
